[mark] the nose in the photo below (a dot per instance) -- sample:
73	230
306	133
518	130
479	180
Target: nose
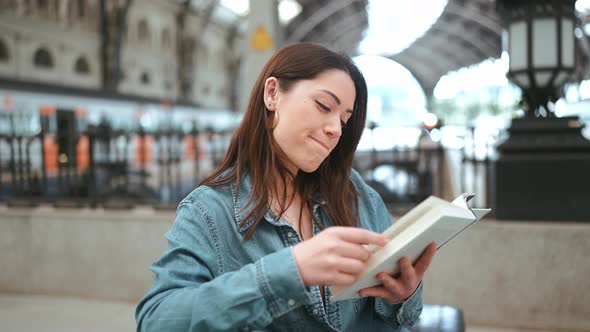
333	128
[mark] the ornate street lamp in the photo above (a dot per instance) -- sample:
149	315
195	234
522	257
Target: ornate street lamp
542	169
541	46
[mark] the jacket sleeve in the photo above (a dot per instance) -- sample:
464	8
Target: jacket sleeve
189	293
403	314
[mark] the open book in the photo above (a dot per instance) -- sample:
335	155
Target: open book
433	220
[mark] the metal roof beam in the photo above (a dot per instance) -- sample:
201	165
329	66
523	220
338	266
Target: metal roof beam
439	44
347	40
318	17
415	64
345	25
468	13
474	40
421	74
443	61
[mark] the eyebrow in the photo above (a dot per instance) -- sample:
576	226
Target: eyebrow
335	98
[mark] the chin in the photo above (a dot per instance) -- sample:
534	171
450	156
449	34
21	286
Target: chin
310	167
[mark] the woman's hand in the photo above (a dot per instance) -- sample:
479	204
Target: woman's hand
395	290
335	256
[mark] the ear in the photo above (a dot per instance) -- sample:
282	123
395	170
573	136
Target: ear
271	93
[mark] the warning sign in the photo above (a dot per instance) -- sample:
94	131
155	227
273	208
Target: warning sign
261	41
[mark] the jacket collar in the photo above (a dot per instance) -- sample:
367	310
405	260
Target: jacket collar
242	195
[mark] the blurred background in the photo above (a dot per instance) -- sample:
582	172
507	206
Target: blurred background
111	111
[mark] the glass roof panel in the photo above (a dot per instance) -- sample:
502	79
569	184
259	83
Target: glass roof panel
240	7
288	9
583	6
395	24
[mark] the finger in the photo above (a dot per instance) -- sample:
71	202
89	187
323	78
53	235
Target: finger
425	259
355	251
360	236
378	291
350	266
343	279
393	285
407	270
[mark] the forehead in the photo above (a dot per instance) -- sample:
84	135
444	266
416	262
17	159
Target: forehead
336	82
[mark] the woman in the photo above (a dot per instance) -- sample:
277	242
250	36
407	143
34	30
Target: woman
259	242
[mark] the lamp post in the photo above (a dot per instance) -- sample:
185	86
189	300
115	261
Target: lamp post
542	169
541	48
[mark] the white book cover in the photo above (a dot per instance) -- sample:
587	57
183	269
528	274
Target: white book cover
433	220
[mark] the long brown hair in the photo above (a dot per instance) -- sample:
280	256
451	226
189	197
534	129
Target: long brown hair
253	149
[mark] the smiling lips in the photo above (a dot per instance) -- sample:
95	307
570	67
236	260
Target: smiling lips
321	143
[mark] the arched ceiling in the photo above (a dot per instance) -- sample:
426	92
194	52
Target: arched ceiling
466	33
338	24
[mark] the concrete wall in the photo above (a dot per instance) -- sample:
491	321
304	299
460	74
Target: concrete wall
80	252
516	274
504	274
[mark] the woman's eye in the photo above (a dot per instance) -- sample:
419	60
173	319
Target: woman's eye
322	106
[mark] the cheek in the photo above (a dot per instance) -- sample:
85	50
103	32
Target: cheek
296	122
299	108
288	136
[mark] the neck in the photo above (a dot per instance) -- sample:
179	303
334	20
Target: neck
277	201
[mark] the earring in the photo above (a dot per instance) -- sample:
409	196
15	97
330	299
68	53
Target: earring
276	120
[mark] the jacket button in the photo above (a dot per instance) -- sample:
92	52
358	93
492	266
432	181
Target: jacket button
315	311
291	302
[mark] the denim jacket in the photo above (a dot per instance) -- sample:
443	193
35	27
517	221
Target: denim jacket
211	279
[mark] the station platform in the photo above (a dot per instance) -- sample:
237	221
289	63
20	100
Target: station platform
66	314
82	269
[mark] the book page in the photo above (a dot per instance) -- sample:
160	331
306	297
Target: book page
463	199
409	218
